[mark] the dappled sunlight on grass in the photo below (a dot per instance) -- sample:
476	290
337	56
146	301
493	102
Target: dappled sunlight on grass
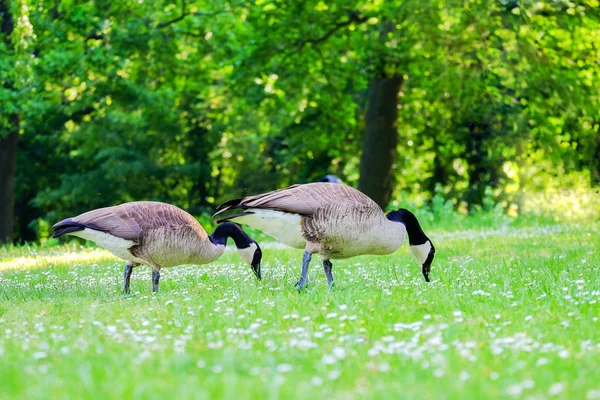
581	204
92	255
15	259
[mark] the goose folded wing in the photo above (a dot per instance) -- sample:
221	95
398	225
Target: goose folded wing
113	220
299	199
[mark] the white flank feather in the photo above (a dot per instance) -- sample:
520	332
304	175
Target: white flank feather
285	227
116	245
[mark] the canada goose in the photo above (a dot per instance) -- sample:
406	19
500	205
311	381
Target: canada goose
159	235
331	178
334	220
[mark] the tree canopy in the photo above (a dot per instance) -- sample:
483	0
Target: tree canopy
193	102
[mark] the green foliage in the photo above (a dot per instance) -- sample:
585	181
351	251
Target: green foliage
195	102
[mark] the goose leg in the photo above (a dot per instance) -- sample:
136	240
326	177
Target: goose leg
327	268
155	278
303	281
127	275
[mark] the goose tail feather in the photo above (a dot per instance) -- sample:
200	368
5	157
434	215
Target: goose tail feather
233	216
231	204
66	226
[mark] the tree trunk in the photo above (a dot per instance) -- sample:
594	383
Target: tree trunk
8	152
381	137
8	142
595	167
475	160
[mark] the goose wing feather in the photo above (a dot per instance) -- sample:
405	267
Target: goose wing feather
305	200
133	220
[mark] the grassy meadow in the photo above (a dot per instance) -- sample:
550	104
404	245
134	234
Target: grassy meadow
511	312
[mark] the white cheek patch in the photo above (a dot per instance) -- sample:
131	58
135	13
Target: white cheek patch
421	251
248	253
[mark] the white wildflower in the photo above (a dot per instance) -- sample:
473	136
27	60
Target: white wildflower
528	384
316	381
327	359
556	388
593	394
383	367
283	368
542	361
334	374
514	390
339	352
563	354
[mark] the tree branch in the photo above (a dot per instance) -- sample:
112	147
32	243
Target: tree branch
185	14
175	20
93	36
210	13
353	17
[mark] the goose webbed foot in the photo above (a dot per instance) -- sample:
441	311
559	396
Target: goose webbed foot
303	281
327	268
155	279
127	277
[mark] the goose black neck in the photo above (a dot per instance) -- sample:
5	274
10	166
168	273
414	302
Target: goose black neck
230	230
416	236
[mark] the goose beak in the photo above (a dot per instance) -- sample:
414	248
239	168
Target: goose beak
426	269
256	270
427	264
255	264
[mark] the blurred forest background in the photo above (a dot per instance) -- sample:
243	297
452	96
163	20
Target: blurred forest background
467	104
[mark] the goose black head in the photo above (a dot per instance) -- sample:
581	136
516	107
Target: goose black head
420	245
331	179
248	248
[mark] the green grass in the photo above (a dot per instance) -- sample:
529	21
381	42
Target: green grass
511	312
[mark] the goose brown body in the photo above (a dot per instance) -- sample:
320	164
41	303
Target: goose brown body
157	234
162	235
333	220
